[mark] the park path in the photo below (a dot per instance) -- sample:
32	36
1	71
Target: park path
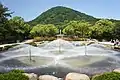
107	43
31	40
26	41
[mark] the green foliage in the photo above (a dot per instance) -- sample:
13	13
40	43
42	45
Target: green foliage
48	38
103	29
7	47
44	30
116	30
107	76
13	29
72	22
4	26
60	15
1	48
13	75
77	28
17	71
33	44
37	39
19	28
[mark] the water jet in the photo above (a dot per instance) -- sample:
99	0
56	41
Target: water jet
59	57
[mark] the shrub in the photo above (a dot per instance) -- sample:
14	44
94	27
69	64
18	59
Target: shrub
76	39
82	39
33	44
13	75
1	48
8	47
17	71
49	38
107	76
37	39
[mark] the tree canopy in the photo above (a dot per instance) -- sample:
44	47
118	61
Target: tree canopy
103	29
71	22
77	28
44	30
4	26
19	28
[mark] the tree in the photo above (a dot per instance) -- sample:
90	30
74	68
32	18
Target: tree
117	30
103	29
77	28
19	28
4	26
44	30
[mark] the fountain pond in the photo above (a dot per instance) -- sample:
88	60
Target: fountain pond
59	57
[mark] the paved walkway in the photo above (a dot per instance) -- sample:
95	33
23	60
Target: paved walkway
31	40
26	41
107	43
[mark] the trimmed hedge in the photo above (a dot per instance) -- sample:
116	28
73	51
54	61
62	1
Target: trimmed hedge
7	47
33	44
37	39
13	75
107	76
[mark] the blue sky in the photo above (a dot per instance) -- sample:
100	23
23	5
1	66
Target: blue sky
30	9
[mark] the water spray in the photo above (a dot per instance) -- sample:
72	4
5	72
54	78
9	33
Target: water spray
30	55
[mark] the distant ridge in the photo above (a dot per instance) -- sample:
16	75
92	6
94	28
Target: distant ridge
60	15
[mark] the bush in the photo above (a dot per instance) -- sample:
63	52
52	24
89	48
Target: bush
17	71
75	39
33	44
37	39
49	38
82	39
1	48
8	47
107	76
13	75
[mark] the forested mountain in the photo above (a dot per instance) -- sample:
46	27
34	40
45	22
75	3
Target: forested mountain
60	15
74	23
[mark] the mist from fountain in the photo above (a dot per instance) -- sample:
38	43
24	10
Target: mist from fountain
59	43
60	53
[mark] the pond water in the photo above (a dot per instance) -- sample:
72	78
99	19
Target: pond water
59	57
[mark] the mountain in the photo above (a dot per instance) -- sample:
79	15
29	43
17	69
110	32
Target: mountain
60	15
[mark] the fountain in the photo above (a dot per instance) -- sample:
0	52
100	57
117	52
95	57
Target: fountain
59	57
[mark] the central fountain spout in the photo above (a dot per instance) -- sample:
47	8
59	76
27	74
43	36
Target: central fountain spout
59	45
85	48
30	56
60	31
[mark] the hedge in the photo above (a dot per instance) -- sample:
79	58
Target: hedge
107	76
13	75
